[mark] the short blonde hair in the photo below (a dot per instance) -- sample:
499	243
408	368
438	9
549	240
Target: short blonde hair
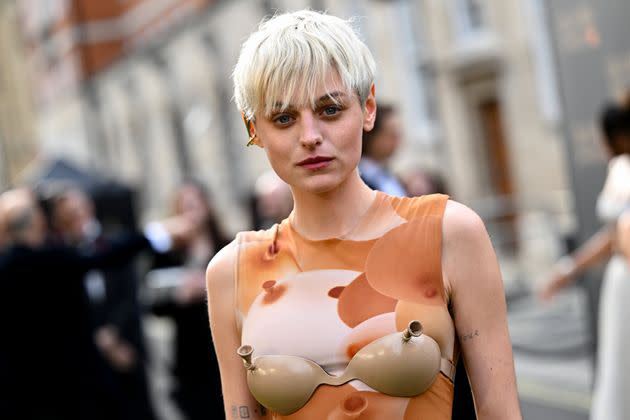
292	54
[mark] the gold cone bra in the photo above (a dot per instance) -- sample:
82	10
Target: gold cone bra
399	364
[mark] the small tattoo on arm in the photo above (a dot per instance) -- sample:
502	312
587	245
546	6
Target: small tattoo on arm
240	412
469	336
244	412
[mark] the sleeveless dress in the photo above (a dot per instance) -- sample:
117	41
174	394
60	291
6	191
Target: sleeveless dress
324	300
611	397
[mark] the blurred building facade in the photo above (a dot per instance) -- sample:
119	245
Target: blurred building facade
495	82
71	45
17	137
141	89
484	54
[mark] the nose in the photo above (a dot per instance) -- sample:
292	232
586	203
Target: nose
310	131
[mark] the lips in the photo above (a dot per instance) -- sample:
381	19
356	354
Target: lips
315	162
315	159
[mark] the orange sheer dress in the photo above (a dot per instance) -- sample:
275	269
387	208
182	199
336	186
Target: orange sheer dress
324	300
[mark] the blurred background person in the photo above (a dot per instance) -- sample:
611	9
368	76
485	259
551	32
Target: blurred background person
271	202
612	384
24	373
420	182
3	233
379	145
197	388
4	209
113	304
51	367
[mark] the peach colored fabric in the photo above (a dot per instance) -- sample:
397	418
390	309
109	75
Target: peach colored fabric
325	300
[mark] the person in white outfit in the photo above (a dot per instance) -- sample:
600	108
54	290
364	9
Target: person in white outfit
612	383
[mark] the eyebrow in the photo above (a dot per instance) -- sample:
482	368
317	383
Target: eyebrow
334	96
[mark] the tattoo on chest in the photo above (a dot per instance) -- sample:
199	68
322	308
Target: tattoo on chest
469	336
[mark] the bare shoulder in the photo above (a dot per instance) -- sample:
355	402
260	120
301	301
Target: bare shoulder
461	223
468	258
220	271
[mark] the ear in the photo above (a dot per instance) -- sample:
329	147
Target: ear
369	112
251	131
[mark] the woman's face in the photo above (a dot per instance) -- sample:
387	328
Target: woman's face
189	200
315	150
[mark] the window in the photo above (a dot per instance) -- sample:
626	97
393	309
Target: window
474	15
419	86
468	17
543	61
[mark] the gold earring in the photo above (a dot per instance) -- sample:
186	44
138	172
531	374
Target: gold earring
252	139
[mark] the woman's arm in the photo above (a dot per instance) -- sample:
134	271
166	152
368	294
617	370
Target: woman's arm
239	403
623	235
470	267
597	249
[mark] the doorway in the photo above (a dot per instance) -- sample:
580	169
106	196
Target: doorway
498	166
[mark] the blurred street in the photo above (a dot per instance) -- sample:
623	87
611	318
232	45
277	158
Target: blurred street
551	357
542	411
552	344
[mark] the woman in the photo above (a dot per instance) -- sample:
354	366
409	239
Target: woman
612	384
351	270
198	389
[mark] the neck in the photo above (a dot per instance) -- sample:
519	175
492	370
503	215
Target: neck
334	213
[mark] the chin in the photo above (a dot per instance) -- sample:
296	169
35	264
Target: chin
320	184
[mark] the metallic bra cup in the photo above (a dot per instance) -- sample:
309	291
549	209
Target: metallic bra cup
399	364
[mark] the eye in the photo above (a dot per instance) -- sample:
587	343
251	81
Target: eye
282	119
331	110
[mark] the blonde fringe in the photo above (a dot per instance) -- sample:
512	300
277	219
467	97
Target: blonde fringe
292	55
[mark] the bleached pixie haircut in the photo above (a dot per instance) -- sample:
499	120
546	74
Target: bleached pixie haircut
290	56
